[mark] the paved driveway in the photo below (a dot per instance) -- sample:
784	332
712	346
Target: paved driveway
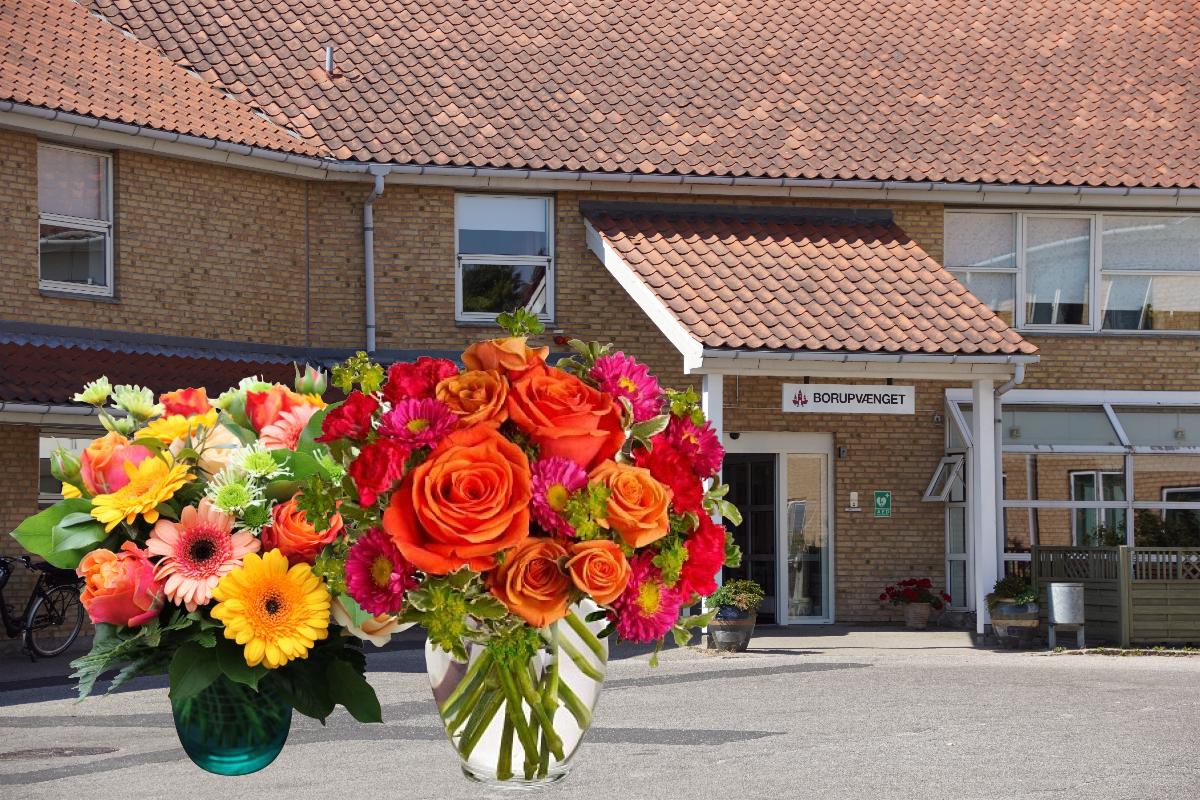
814	717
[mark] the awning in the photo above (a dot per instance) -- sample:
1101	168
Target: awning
811	285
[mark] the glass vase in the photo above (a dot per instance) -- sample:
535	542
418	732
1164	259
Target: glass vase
519	724
231	729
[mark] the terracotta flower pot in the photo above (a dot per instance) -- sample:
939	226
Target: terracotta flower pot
916	616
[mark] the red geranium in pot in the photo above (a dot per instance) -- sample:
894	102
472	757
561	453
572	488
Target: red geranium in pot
918	598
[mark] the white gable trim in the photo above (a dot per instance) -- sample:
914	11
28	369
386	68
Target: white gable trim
650	303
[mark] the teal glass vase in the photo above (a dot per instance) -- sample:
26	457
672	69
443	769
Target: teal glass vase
231	729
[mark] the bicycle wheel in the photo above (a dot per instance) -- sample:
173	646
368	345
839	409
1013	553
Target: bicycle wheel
59	606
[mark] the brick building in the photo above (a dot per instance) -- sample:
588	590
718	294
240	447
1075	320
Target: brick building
895	270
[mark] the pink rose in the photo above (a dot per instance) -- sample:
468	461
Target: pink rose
102	465
120	588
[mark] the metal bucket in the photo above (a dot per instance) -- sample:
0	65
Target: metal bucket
1066	603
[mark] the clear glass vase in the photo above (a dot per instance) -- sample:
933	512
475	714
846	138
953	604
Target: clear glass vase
519	725
231	729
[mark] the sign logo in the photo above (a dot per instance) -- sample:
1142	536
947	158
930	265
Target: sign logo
883	504
840	398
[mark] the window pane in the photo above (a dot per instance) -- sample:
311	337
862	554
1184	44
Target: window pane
1171	478
1162	427
1152	303
956	580
956	530
996	289
1057	425
494	288
1018	530
1058	269
503	226
1151	243
71	183
981	240
73	256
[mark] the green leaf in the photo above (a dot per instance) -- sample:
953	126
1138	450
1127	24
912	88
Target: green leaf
242	432
357	615
36	534
232	660
308	437
649	428
351	690
307	690
193	669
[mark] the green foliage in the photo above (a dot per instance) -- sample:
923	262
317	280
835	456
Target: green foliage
670	557
455	607
715	502
1012	589
359	370
742	594
586	509
1172	529
145	650
520	323
193	669
513	647
584	358
685	404
330	566
733	553
63	533
1103	536
641	432
332	675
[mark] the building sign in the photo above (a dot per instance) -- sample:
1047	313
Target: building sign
883	504
823	398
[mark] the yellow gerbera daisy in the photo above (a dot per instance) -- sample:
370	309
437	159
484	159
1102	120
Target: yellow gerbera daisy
177	426
275	613
151	482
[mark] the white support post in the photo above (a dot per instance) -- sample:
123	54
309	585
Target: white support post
712	402
984	502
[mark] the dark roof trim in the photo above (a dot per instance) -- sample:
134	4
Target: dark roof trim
740	213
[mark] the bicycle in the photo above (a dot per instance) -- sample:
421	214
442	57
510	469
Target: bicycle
54	602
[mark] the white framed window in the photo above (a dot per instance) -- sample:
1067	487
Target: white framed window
75	220
504	256
1098	526
944	474
1074	271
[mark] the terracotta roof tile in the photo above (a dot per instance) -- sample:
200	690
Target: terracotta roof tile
56	55
858	285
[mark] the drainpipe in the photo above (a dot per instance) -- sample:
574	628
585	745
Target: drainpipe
1017	378
998	432
369	258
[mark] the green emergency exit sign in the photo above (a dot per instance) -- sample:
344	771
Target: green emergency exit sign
883	504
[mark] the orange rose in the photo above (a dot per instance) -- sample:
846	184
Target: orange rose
510	355
477	395
532	584
637	503
465	502
266	408
566	417
102	465
187	402
293	535
598	569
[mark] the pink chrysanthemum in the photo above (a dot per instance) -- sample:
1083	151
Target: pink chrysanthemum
196	552
622	376
554	480
698	442
647	608
284	433
418	423
377	576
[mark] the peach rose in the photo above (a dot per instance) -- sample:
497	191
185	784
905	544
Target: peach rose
599	569
265	408
102	465
477	395
566	417
467	501
637	503
377	630
119	588
531	583
293	535
510	355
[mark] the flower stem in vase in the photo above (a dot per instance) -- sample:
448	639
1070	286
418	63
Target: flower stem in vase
587	637
476	673
581	661
481	716
504	763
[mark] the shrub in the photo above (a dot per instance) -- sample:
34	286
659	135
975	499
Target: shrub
741	594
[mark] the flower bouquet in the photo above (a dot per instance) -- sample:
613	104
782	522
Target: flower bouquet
522	513
186	523
918	597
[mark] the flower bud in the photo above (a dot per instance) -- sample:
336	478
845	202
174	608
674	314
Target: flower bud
64	465
311	381
122	425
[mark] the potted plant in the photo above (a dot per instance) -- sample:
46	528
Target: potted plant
737	606
917	597
1014	611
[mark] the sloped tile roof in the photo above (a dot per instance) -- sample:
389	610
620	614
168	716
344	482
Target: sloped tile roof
739	279
56	55
1080	92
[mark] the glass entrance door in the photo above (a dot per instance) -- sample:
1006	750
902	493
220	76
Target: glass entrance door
751	478
806	538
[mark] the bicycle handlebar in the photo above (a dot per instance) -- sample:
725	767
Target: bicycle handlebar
26	560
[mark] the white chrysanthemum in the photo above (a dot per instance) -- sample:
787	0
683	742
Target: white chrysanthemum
95	393
137	401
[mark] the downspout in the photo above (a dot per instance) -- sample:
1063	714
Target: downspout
998	432
369	258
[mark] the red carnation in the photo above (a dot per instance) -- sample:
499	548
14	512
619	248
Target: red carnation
706	556
416	380
351	419
378	466
673	469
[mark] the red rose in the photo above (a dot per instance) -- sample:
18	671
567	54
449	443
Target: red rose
187	402
706	556
674	469
883	596
351	419
378	466
416	380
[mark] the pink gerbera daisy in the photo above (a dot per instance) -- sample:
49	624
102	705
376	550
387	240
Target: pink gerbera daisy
377	576
554	480
418	423
196	552
284	433
648	608
698	442
622	376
